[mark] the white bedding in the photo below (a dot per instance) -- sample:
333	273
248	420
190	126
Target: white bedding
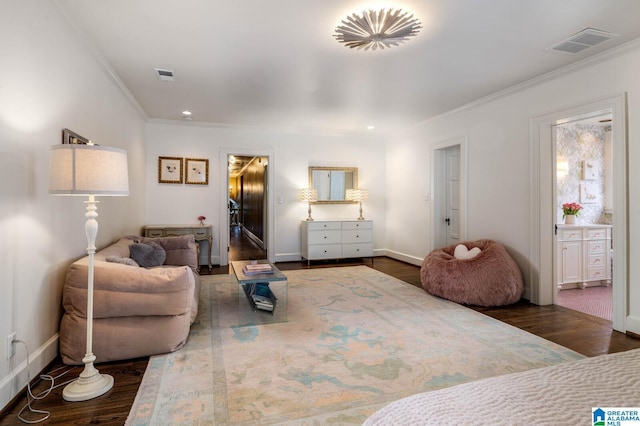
562	394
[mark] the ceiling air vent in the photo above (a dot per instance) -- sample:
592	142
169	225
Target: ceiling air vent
585	39
164	75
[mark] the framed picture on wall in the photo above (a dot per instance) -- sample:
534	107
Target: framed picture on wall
589	170
71	137
588	193
196	171
169	170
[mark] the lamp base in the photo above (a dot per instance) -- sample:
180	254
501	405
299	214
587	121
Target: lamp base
85	388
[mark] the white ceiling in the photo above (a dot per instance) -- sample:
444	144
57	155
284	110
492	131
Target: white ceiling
276	64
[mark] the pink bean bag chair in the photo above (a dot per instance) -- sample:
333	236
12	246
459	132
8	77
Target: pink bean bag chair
491	278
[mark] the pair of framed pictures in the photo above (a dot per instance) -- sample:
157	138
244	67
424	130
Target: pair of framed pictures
195	171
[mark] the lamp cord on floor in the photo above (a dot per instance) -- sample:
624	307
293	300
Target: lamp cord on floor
31	397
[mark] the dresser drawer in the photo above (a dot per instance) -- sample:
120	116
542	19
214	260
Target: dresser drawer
596	233
325	237
173	232
597	273
571	234
327	251
201	233
357	250
357	236
361	224
154	233
596	260
319	226
598	246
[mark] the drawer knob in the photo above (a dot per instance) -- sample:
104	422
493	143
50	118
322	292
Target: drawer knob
596	261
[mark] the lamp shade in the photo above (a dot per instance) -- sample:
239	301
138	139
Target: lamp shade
357	194
88	170
309	194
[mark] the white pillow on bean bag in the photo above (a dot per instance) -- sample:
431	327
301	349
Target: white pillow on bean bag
462	252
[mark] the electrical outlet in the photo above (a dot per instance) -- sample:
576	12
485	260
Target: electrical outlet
11	351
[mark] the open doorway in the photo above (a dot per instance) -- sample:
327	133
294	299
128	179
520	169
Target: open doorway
543	255
247	205
268	218
584	185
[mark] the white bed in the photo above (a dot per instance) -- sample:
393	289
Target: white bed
562	394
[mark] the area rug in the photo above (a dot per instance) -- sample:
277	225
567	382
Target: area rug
355	340
596	301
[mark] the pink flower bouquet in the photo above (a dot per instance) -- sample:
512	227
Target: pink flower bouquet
570	209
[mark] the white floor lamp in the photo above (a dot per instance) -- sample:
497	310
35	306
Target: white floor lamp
88	170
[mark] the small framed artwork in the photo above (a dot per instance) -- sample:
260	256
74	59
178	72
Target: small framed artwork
72	137
196	171
169	170
589	170
588	193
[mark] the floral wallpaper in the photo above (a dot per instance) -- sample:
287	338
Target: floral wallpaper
582	146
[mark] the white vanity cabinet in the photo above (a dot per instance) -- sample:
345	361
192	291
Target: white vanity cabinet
583	255
336	239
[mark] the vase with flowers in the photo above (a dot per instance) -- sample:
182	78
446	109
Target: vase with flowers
201	219
570	211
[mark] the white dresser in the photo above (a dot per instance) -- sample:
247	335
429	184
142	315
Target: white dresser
336	239
583	255
200	233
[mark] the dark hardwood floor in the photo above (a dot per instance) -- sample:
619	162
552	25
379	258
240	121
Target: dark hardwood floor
583	333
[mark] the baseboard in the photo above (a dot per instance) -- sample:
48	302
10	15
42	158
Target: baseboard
413	260
16	381
633	324
288	257
254	238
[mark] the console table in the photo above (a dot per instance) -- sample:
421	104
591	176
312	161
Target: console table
336	239
200	232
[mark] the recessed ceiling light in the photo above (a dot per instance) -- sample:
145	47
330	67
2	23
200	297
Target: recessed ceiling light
186	112
186	115
371	127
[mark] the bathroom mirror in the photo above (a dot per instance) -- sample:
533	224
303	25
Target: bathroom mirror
332	183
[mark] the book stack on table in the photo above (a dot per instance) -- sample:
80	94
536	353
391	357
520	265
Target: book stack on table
261	296
257	269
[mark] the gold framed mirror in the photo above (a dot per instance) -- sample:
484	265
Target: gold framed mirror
332	183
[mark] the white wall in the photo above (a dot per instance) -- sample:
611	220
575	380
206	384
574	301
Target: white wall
49	80
497	132
293	154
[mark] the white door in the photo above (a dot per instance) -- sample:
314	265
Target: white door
452	174
448	196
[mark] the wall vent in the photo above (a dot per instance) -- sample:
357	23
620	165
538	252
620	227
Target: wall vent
585	39
164	75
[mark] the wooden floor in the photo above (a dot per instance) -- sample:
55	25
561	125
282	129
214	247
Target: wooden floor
585	334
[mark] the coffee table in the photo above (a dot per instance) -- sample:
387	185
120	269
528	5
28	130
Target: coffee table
248	314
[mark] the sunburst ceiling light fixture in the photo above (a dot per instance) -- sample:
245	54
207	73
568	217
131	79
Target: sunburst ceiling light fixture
377	29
